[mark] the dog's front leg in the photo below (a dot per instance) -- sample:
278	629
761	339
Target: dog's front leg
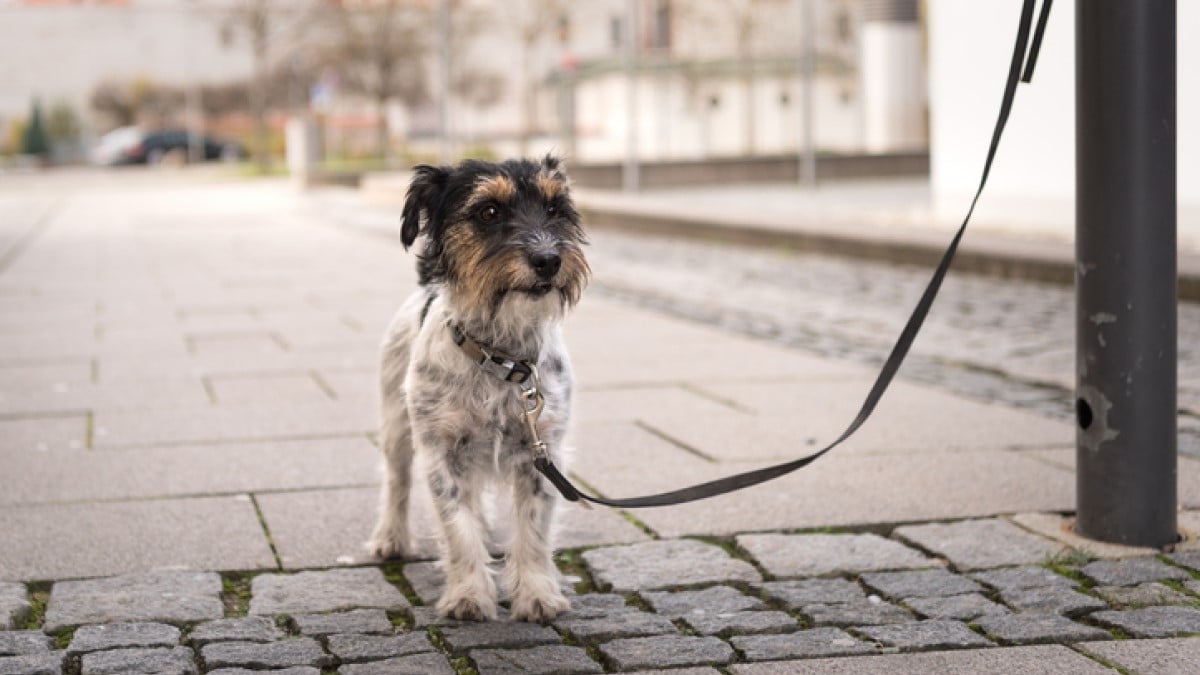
457	486
529	572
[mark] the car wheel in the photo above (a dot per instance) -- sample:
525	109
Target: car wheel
154	156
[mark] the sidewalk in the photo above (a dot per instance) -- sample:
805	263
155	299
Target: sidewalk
187	419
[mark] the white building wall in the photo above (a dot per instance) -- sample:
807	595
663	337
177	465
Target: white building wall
60	52
1032	185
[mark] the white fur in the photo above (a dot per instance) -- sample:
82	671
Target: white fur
465	427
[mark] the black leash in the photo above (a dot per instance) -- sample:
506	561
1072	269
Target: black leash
903	343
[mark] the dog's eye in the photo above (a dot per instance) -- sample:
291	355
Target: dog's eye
489	214
552	209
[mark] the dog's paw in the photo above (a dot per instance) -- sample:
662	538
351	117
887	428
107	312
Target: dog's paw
539	609
388	545
467	609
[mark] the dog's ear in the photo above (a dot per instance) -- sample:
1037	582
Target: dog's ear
424	195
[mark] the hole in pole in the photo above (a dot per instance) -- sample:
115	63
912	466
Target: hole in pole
1083	413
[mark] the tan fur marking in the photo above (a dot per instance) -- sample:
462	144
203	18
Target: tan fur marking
550	185
496	188
479	279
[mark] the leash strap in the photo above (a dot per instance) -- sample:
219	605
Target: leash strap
903	343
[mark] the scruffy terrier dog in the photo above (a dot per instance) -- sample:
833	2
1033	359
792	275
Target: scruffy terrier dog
467	356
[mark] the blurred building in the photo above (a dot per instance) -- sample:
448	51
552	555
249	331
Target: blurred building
712	77
1032	184
59	50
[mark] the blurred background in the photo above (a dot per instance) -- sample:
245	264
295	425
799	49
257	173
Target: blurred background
634	93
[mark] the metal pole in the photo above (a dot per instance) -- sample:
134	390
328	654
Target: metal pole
808	68
1125	271
631	173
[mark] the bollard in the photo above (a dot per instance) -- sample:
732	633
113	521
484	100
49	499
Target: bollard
1126	288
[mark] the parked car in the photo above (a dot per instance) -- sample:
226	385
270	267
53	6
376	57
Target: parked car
112	146
154	147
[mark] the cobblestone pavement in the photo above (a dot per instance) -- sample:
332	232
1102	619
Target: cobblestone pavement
775	599
187	468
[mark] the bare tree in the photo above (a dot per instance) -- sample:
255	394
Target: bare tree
378	50
128	102
534	20
265	23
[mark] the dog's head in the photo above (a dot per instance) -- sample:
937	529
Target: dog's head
497	231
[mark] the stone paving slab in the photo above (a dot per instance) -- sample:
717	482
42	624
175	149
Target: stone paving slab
665	564
1038	660
509	633
1058	528
740	623
49	663
173	597
67	399
297	670
416	664
829	493
920	583
623	624
22	642
324	528
597	406
39	478
176	661
1013	578
1188	558
256	656
547	660
965	607
1143	595
912	418
1132	571
785	555
14	607
359	648
1153	622
1173	656
1053	599
924	635
801	592
813	643
979	544
426	579
41	434
324	591
678	671
666	651
97	539
364	621
1029	628
239	629
711	600
122	635
209	424
861	613
596	605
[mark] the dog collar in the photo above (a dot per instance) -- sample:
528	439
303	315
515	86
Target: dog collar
498	364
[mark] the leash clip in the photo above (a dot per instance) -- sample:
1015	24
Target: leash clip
531	394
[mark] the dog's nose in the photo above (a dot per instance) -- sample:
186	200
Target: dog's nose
545	263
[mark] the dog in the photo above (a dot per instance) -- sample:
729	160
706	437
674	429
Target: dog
477	346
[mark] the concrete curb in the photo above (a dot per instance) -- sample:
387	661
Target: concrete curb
1045	261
